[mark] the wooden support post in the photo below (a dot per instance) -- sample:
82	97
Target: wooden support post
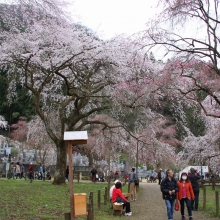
109	181
89	216
202	184
67	216
217	203
105	198
213	184
92	207
71	180
76	138
78	176
204	198
108	196
99	198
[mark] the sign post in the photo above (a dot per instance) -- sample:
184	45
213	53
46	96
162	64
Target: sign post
73	138
7	169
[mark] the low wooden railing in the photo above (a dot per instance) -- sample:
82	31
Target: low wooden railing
210	183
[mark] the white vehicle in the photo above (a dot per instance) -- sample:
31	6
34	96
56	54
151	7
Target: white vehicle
201	169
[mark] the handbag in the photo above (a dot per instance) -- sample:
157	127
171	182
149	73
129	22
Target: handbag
177	206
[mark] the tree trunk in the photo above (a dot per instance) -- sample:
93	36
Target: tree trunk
59	177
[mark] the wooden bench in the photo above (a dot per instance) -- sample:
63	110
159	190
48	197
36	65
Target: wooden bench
126	195
117	208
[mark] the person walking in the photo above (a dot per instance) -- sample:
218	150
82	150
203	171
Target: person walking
31	169
169	187
185	195
133	190
40	172
194	177
116	173
44	172
93	172
159	176
22	172
18	170
12	171
48	174
118	197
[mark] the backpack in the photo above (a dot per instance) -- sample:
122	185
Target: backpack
136	180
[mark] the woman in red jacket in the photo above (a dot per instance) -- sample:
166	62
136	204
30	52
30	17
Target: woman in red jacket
185	195
118	197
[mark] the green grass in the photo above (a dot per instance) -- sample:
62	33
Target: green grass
210	210
41	200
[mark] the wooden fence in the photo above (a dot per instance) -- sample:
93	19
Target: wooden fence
213	183
90	203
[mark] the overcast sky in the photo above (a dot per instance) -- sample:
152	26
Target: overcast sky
111	17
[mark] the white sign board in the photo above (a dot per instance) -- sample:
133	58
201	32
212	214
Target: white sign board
7	166
75	135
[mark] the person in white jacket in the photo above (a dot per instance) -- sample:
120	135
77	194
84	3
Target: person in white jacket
17	170
111	189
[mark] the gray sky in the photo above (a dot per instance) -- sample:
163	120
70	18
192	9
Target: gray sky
111	17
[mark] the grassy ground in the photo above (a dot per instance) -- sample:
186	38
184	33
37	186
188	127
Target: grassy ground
40	200
210	200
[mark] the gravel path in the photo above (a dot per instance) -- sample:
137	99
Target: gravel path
151	206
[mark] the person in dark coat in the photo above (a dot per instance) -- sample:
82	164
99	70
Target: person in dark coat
67	174
194	177
93	172
159	176
169	187
31	169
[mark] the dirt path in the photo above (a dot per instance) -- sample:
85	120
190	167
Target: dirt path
151	206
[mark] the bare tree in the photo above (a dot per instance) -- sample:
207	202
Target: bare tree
192	39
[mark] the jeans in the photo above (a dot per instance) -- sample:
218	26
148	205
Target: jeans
188	205
126	204
12	175
196	201
170	208
22	175
31	177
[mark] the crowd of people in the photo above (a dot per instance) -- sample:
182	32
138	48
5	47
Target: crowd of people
185	191
17	171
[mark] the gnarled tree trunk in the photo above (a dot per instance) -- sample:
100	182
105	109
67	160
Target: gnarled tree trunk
59	177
